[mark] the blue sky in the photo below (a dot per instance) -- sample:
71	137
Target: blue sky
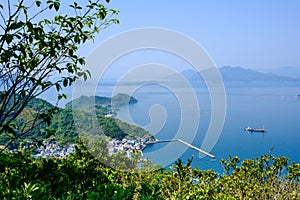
253	34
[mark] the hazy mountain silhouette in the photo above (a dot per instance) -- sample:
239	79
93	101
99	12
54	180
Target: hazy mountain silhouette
238	74
289	71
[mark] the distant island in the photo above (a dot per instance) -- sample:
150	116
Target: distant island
241	74
237	74
105	106
117	100
288	71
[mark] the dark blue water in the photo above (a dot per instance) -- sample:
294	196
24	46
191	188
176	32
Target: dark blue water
277	108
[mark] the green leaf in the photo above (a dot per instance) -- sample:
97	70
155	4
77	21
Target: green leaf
79	74
15	26
8	38
65	82
89	73
58	87
102	14
56	6
81	61
29	26
61	96
77	39
71	52
84	76
38	3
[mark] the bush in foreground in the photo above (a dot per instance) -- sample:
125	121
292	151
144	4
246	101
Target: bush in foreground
80	176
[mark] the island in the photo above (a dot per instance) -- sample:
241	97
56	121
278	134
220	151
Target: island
104	106
123	99
120	99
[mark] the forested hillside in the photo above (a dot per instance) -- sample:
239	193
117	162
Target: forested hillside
62	127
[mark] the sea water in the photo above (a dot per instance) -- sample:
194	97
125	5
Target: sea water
274	106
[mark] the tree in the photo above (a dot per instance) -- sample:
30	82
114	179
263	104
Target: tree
37	53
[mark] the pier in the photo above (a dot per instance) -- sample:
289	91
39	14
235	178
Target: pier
183	142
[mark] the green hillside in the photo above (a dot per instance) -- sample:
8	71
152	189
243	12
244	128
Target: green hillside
63	127
30	117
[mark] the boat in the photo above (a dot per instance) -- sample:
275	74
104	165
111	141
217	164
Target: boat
255	129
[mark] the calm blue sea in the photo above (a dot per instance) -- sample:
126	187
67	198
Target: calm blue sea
274	106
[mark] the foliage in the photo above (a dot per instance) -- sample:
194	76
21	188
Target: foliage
78	177
132	131
81	176
38	53
110	128
62	126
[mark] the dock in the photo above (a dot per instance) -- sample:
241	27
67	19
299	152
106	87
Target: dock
183	142
160	141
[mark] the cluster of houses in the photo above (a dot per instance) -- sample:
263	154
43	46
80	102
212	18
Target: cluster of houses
127	145
53	150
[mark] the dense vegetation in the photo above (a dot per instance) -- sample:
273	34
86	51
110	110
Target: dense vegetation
26	120
61	125
81	176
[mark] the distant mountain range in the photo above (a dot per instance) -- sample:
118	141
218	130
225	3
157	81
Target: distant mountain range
240	74
289	71
248	75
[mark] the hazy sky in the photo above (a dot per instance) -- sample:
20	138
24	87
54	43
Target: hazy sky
254	34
